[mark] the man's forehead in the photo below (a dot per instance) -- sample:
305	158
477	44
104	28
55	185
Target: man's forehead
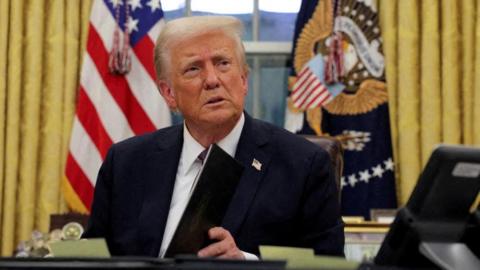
212	38
210	52
204	45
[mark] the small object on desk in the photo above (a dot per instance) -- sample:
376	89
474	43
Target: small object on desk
39	246
363	239
383	215
72	231
38	239
56	235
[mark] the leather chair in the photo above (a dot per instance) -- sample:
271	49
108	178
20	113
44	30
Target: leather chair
334	147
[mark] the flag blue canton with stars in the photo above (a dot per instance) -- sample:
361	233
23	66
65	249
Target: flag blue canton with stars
143	16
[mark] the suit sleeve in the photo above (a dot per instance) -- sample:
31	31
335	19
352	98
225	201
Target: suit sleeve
322	226
99	221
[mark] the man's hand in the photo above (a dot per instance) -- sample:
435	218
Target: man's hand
224	248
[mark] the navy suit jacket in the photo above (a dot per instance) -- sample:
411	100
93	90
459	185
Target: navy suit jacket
291	201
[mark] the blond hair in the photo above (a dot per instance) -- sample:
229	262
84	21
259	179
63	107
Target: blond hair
188	27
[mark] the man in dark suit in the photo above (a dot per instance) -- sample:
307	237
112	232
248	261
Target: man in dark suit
286	196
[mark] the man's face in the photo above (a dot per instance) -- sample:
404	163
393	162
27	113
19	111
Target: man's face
206	81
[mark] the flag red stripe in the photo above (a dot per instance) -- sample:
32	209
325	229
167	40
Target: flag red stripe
118	86
305	69
305	92
310	93
324	99
307	78
144	51
316	97
88	116
79	181
309	90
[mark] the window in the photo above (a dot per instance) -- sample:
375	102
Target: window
269	27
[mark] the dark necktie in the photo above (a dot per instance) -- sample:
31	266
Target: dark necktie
202	155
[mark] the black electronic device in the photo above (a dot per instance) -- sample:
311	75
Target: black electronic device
208	203
472	233
432	224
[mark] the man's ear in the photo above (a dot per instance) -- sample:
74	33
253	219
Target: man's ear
167	93
244	78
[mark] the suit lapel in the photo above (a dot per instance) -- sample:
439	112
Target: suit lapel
159	175
252	145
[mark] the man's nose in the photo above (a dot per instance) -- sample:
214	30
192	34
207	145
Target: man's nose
211	77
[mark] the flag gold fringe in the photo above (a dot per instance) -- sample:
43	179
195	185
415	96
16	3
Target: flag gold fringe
314	119
72	198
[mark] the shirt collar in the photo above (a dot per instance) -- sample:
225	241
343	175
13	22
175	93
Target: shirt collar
230	142
191	148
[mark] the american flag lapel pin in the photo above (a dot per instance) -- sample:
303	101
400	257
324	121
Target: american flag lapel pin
256	164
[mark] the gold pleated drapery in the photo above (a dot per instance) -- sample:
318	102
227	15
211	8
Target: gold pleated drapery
432	51
41	46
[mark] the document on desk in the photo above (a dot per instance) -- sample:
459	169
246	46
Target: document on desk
84	248
304	258
208	204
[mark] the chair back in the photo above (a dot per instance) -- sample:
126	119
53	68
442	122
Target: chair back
334	148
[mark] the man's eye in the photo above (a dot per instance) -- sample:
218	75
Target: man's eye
190	70
224	64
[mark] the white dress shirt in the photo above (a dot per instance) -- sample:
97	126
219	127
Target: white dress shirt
188	168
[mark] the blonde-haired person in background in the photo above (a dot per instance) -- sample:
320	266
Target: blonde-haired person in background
287	194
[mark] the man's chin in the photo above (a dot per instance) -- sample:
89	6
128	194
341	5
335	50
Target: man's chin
219	118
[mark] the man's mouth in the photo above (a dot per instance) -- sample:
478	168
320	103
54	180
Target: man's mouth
214	100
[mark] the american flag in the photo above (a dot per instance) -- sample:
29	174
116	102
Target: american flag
310	91
113	107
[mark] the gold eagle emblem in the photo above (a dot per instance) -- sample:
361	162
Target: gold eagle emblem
365	87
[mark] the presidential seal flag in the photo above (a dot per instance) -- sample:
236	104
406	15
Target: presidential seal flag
338	88
117	96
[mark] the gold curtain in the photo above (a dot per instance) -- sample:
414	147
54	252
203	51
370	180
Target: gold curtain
432	52
41	47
